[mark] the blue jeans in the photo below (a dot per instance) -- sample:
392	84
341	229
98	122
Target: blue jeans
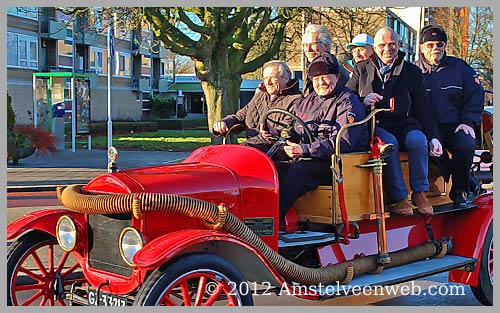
418	156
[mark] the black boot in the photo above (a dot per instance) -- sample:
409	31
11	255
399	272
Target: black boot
462	198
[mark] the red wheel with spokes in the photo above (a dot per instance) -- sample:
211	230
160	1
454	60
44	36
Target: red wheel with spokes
196	280
484	289
39	271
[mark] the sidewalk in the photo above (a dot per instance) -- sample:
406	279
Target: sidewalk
45	172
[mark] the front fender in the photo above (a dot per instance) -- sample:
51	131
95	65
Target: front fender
164	248
44	220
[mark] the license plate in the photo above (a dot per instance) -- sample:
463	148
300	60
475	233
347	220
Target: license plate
105	299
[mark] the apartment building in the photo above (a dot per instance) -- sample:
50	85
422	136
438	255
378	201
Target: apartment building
49	55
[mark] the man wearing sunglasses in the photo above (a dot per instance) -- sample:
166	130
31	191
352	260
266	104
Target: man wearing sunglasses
457	98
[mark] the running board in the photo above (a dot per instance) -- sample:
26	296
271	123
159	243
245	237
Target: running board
302	238
448	207
397	275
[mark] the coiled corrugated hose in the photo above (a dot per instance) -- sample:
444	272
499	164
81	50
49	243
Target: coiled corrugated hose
217	217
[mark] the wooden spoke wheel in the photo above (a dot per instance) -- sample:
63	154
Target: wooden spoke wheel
39	271
196	280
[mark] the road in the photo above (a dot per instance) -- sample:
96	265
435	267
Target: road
447	294
32	199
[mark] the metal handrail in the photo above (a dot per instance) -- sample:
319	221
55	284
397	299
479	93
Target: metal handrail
346	126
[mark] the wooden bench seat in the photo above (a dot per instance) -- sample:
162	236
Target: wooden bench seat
322	204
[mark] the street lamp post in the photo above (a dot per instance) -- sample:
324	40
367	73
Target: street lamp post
111	53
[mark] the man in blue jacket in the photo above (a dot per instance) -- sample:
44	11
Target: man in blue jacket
330	106
457	98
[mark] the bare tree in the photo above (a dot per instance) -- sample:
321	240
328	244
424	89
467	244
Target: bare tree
183	65
470	37
347	22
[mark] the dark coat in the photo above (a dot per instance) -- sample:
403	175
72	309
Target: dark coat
405	85
324	116
454	91
260	104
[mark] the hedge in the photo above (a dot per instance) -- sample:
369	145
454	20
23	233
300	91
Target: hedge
184	123
101	128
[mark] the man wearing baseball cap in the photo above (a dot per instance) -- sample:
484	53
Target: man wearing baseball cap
324	111
361	48
457	98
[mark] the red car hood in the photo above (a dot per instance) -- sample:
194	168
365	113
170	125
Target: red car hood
180	179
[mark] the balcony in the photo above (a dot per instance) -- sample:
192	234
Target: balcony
141	48
141	83
53	29
159	52
89	38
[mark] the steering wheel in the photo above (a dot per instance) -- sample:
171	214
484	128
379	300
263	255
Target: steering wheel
234	130
282	139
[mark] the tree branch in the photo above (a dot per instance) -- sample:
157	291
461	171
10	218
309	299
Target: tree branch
169	34
193	26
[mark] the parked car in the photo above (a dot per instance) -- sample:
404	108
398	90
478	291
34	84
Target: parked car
205	232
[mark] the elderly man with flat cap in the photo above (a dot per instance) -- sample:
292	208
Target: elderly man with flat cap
457	99
324	111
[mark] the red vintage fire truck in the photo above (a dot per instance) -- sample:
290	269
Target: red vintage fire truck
205	232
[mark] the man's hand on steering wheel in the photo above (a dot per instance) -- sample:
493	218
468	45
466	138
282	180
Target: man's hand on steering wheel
284	141
265	133
220	127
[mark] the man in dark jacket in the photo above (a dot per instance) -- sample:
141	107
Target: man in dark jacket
324	111
376	80
457	98
280	91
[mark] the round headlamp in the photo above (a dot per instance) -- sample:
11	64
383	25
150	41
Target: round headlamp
131	241
66	233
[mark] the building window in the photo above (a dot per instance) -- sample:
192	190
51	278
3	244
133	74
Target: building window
22	51
167	69
67	89
65	53
146	66
122	65
96	60
28	12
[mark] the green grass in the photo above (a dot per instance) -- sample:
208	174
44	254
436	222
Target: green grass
169	140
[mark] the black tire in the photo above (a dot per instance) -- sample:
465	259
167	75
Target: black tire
186	271
25	259
484	289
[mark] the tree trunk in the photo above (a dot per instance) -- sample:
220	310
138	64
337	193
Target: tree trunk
220	102
221	87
